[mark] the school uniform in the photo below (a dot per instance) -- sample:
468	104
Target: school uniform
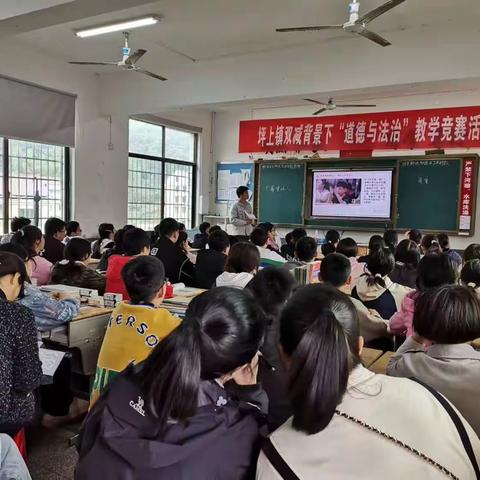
54	249
453	370
240	214
270	258
456	258
99	247
234	280
210	264
79	275
288	251
386	301
133	331
114	281
172	257
372	326
401	322
200	240
348	449
120	437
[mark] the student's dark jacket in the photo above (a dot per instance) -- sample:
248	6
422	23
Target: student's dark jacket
210	264
53	251
200	240
78	275
178	267
219	442
287	250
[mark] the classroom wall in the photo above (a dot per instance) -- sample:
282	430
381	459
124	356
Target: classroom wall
225	148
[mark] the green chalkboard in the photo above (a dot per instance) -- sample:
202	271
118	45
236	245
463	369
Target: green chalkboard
281	193
428	194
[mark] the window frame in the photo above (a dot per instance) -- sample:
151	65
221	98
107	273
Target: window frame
164	160
6	182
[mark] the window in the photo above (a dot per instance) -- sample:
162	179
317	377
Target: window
161	174
33	167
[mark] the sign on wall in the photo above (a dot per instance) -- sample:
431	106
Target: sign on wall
230	176
466	197
412	129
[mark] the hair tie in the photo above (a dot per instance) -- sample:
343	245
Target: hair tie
378	275
472	285
434	241
22	233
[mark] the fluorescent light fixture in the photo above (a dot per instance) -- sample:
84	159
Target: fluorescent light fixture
118	27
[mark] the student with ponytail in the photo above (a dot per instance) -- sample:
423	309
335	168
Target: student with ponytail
375	289
349	422
430	244
191	409
470	276
33	241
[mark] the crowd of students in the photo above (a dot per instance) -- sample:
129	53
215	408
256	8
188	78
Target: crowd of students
261	377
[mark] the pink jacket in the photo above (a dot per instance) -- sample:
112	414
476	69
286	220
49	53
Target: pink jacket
41	270
401	322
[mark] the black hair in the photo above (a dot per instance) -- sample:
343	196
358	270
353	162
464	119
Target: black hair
204	227
306	249
470	275
259	237
72	227
335	270
105	230
77	249
390	237
298	233
448	315
181	227
241	191
435	270
19	222
288	238
319	331
242	257
327	249
272	287
471	252
167	227
182	238
407	252
379	264
267	226
215	228
134	241
53	225
222	330
27	237
143	277
430	244
10	264
218	241
348	247
332	236
375	243
415	236
343	184
15	248
444	242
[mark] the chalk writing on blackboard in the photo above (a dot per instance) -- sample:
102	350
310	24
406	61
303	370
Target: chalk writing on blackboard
277	188
423	180
425	163
293	166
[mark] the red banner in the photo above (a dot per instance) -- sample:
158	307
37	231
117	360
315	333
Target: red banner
466	198
439	128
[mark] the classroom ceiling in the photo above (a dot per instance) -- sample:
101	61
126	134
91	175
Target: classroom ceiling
194	31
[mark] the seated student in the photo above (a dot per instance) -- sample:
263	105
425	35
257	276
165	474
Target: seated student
16	224
187	268
444	242
106	232
348	422
448	318
136	327
116	249
434	270
470	275
73	230
32	240
430	244
305	252
415	236
54	235
211	262
390	237
21	369
271	288
243	262
286	246
190	410
407	257
259	237
288	250
375	289
12	465
74	269
471	252
272	236
374	244
336	270
136	242
349	248
201	239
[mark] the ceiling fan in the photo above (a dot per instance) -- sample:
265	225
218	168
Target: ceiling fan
331	105
355	24
128	62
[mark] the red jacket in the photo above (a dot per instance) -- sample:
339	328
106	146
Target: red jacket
114	278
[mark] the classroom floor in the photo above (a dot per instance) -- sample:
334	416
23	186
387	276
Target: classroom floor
49	454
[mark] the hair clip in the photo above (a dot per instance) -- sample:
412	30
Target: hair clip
378	275
472	285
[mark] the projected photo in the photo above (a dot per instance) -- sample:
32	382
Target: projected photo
344	191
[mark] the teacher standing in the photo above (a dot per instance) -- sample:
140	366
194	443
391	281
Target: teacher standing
242	215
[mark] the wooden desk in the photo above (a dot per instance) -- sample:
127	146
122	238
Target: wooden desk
370	356
380	365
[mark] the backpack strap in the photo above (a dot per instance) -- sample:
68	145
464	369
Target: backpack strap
467	445
277	462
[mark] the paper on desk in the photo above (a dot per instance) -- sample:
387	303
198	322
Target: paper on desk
50	360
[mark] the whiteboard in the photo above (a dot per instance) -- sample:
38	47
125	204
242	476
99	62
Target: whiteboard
230	176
